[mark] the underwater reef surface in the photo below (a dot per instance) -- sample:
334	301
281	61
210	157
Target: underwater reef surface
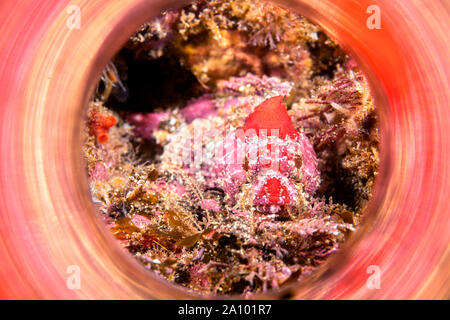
231	146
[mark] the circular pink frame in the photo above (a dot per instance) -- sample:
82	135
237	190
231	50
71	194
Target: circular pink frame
47	72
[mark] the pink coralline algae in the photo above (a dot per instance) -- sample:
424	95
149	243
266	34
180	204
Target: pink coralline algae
202	107
146	123
210	204
257	85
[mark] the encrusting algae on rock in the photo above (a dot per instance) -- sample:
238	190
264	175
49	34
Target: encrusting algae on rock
253	176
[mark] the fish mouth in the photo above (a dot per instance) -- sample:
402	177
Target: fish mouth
273	192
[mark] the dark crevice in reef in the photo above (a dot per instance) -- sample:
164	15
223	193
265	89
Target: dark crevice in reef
152	83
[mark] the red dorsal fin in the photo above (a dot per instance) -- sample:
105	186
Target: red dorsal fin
271	114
